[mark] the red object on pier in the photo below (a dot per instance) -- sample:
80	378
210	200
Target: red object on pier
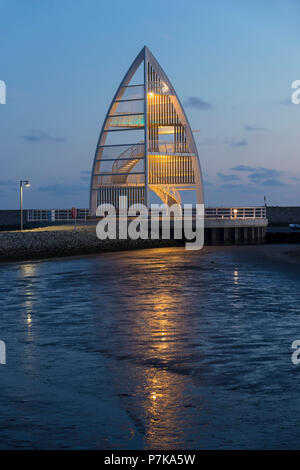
74	212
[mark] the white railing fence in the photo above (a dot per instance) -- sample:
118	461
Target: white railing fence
54	215
235	212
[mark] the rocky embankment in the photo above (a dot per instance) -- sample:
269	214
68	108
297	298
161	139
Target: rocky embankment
64	241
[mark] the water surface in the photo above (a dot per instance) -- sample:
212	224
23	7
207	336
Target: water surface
152	349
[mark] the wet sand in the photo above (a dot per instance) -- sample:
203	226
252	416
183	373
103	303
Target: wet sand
160	348
286	253
65	241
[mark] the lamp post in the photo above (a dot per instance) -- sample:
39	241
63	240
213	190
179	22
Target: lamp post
27	185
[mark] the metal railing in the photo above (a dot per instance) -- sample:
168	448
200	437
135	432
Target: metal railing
235	212
167	148
53	215
130	154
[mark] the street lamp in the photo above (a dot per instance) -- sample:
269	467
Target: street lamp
27	185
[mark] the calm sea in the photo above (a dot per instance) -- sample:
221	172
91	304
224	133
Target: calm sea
163	349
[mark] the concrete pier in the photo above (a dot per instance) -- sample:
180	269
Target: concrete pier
49	242
222	226
235	231
10	219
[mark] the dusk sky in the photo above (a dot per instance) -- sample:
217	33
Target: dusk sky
231	62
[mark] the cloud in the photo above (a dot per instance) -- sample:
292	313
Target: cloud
261	176
257	171
197	103
10	185
85	172
7	183
37	137
285	102
240	187
63	189
244	168
228	177
272	182
239	143
263	173
255	129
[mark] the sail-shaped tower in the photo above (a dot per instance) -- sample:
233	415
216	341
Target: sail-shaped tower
146	143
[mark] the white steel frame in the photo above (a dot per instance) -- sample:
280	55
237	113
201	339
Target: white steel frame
169	193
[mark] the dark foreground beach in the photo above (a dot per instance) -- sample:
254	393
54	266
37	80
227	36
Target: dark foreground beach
283	252
65	241
155	349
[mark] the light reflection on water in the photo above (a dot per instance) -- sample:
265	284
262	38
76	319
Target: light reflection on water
150	349
157	335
